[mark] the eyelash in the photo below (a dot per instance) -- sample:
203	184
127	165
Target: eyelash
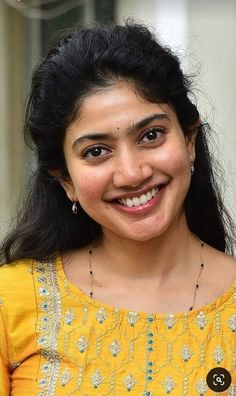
156	130
87	152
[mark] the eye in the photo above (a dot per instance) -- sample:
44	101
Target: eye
152	135
95	152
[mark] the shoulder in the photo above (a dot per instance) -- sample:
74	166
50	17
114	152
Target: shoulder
221	261
15	272
220	269
16	281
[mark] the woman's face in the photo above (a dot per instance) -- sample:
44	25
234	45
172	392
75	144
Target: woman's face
129	163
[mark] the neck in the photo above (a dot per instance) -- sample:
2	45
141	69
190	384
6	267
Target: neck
163	257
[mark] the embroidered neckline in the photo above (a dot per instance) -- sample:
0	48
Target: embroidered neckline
218	302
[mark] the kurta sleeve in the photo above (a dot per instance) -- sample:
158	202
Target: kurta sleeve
4	372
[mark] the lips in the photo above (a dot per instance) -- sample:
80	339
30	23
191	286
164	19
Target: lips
139	200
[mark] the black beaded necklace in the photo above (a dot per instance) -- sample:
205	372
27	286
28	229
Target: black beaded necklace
91	293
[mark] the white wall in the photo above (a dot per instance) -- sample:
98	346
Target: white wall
4	115
203	33
11	147
17	53
212	35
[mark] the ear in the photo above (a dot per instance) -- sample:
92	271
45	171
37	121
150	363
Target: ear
66	184
190	144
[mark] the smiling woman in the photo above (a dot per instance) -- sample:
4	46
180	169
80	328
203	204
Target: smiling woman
123	281
111	172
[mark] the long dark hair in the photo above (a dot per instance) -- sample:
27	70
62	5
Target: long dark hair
82	62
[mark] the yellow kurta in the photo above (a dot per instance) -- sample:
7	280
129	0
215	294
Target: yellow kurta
55	340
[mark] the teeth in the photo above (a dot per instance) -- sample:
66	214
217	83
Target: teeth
149	195
143	199
137	201
127	202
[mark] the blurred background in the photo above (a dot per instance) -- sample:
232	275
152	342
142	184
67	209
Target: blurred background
201	32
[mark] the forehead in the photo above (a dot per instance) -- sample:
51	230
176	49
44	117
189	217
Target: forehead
115	107
119	97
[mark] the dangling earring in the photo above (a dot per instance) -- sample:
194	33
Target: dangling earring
74	208
192	168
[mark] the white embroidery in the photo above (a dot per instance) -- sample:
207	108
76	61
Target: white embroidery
43	382
132	318
201	387
96	378
232	323
170	321
43	291
218	354
101	315
186	353
168	384
129	382
46	368
82	343
232	390
115	348
48	338
65	377
201	320
69	317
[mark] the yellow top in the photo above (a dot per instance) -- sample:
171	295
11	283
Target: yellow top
55	340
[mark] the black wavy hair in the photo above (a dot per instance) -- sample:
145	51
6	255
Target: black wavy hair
84	61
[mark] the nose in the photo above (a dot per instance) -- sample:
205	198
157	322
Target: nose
131	171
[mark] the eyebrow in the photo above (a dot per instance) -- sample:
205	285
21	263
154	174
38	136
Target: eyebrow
96	136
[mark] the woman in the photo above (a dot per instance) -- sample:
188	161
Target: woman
116	277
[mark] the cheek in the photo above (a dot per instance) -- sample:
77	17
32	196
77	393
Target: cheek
88	185
179	165
174	161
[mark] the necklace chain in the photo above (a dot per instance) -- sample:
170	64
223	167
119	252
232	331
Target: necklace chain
196	287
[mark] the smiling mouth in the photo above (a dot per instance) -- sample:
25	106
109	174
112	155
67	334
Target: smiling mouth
141	200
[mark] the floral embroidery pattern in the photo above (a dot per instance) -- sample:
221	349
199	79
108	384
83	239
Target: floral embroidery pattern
44	323
115	348
168	384
43	341
186	353
96	378
201	320
101	315
170	321
69	317
43	291
132	318
82	344
49	324
78	339
65	377
201	387
43	382
45	368
218	354
129	382
232	390
232	323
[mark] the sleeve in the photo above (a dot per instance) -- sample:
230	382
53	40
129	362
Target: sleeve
4	372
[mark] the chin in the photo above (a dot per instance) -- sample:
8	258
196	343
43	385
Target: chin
144	234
